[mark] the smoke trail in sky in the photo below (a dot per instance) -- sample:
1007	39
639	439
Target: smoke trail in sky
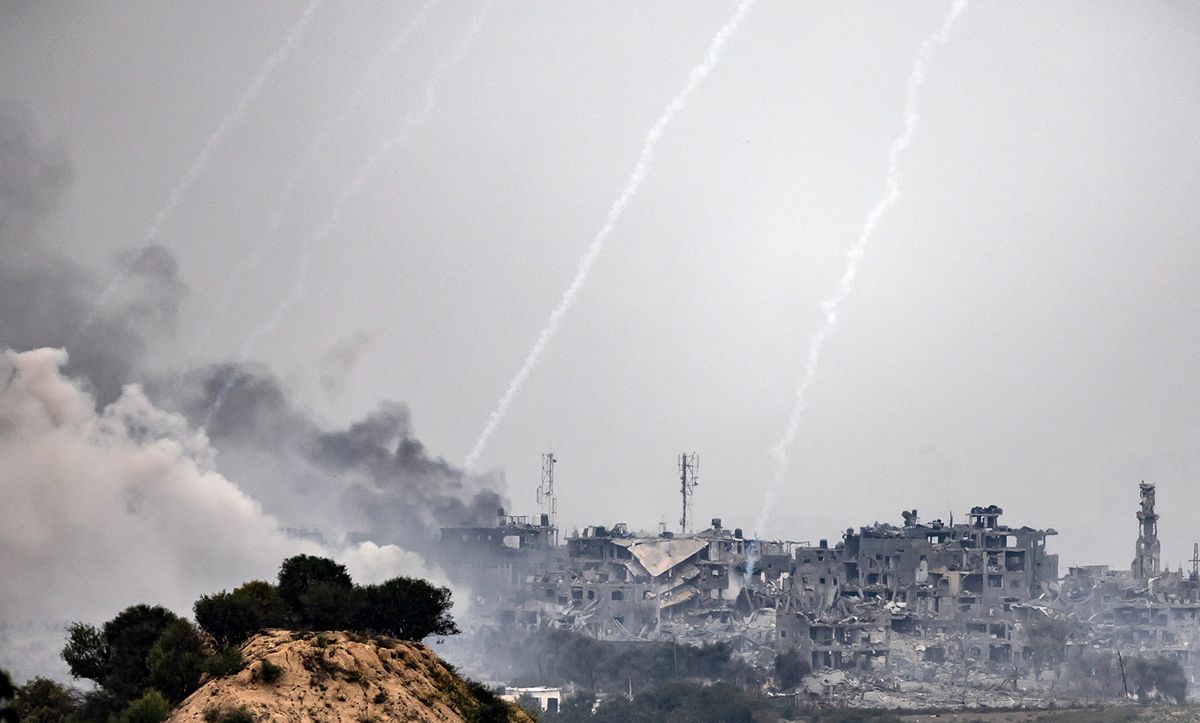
302	169
411	122
234	115
853	257
697	75
200	162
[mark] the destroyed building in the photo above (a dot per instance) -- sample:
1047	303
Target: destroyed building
900	598
1145	610
938	580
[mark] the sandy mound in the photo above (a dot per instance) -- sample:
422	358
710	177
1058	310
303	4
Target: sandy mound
336	677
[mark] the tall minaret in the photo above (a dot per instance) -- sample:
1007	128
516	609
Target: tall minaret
1146	556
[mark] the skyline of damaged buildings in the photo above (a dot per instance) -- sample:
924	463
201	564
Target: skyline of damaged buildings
887	598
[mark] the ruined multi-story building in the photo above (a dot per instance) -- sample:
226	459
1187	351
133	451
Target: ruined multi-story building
1146	555
940	579
605	581
885	595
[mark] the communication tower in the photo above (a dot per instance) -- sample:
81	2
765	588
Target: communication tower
547	502
689	476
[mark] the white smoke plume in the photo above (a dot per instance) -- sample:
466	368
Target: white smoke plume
697	76
853	258
302	169
200	162
411	122
107	509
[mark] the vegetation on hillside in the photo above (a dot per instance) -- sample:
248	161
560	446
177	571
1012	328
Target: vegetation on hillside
147	658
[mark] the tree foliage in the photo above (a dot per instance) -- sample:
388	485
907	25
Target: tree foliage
329	606
97	706
298	574
407	608
226	662
42	700
176	661
271	608
129	637
116	656
232	617
229	618
86	652
150	708
147	658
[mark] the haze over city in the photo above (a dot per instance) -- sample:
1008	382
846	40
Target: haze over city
327	241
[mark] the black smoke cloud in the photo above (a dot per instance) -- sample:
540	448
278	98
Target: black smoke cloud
48	300
401	482
103	453
373	478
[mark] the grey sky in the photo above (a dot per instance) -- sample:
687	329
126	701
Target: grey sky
1023	331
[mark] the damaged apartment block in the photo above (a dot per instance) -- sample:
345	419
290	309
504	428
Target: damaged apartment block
897	600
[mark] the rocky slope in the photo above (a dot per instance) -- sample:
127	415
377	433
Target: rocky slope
292	676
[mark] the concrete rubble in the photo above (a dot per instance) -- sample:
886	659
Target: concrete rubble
910	615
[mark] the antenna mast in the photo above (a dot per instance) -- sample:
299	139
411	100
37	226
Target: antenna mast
547	502
689	475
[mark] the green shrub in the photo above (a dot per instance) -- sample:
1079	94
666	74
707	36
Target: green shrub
150	708
269	672
489	707
226	662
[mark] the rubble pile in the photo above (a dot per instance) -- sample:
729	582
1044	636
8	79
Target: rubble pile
914	615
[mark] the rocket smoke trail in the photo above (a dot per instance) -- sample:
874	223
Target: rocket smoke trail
411	122
853	258
302	169
200	163
697	76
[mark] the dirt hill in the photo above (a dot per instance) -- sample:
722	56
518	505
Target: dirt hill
341	677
